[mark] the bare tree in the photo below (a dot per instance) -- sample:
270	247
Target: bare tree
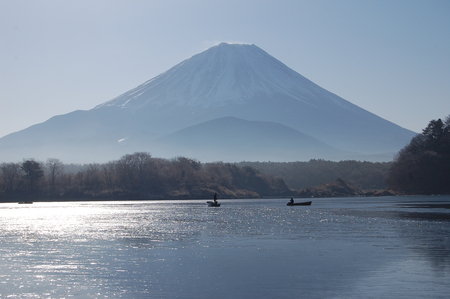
135	170
189	171
55	168
11	174
92	176
109	174
219	174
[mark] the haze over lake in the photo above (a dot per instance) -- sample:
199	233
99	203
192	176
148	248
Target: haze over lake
392	247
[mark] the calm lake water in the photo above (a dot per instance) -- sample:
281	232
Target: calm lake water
390	247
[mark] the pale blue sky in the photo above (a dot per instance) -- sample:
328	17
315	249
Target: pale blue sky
389	57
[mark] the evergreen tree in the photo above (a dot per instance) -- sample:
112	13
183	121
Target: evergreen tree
423	166
33	173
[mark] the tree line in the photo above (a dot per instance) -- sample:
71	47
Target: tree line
139	176
135	176
423	166
299	175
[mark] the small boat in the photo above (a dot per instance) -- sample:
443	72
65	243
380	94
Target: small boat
305	203
213	204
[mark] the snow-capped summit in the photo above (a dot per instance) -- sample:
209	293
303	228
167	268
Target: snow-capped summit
225	74
239	86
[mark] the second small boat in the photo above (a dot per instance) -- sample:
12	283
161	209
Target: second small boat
305	203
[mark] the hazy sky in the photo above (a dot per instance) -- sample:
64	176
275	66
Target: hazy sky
389	57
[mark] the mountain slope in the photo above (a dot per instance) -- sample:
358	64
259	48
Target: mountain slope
228	80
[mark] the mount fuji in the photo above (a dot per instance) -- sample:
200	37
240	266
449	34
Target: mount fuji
230	103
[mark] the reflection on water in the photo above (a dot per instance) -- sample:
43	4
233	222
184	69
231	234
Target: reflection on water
395	247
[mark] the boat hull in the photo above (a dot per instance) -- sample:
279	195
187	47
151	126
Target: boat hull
306	203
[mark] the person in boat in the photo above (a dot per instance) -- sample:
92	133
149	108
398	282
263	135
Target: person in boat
215	198
291	201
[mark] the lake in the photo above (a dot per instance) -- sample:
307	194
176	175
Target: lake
387	247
